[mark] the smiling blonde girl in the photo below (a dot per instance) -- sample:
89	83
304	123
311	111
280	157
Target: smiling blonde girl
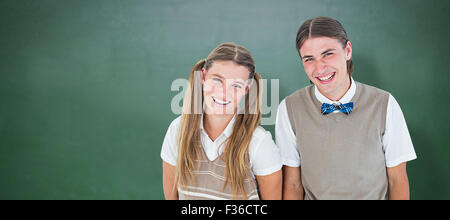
216	148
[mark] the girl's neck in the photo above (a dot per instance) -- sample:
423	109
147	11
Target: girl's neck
214	125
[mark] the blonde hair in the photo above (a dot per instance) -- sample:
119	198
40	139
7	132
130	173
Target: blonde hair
235	154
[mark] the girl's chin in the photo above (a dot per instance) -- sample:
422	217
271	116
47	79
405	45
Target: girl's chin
219	111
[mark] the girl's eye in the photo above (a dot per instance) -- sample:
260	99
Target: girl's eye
217	80
237	86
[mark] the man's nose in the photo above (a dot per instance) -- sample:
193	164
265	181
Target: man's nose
320	66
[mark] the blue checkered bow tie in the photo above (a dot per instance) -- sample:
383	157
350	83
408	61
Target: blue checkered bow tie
344	108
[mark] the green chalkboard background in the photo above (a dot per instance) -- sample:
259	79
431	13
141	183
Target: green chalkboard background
85	85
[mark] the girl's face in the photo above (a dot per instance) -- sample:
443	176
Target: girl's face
325	63
224	85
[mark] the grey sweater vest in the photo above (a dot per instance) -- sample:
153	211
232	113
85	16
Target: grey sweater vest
210	181
341	155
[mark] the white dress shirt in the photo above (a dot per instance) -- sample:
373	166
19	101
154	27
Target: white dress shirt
264	155
396	141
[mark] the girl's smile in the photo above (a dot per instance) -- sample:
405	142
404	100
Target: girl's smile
219	102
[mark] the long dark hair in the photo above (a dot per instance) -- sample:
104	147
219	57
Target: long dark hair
323	27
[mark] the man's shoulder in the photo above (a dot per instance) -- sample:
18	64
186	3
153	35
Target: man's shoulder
301	92
371	89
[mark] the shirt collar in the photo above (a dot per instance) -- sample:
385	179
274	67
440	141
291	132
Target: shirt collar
228	130
345	99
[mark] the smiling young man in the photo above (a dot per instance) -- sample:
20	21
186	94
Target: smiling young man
340	139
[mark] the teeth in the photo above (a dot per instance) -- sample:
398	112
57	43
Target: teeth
326	78
221	102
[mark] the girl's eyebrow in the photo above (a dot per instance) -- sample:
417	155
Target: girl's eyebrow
217	75
221	77
239	82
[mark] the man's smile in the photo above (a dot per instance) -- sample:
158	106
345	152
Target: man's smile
327	78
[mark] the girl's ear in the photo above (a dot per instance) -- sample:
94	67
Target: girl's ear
203	75
249	85
348	50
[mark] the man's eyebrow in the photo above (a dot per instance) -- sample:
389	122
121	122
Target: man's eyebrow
326	51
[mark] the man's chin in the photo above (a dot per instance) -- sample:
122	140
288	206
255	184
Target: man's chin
326	90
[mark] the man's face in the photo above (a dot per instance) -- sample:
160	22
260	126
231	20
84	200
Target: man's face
325	63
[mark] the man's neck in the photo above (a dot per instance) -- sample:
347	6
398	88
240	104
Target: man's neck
336	96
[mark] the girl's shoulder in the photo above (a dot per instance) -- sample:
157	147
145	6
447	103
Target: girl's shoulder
175	124
261	135
261	132
264	154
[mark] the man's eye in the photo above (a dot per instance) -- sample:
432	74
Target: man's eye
307	60
328	54
217	80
